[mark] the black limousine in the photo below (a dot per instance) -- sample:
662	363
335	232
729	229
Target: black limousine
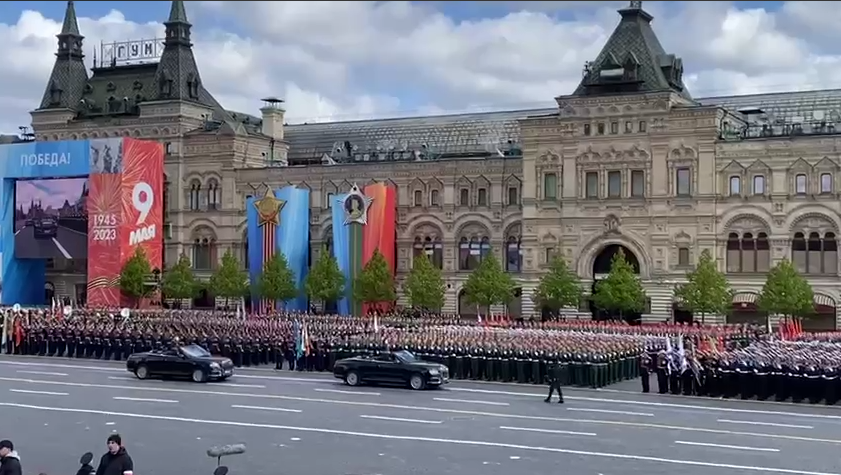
399	367
191	361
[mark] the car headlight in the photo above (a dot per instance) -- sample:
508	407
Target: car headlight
434	371
215	366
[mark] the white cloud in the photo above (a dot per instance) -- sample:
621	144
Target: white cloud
351	60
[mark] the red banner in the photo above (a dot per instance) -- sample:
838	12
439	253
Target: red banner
125	210
104	221
379	233
142	201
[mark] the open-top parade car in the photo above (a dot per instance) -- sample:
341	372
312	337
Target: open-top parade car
399	367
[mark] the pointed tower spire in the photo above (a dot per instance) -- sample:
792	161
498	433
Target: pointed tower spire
177	13
177	26
69	75
178	77
633	60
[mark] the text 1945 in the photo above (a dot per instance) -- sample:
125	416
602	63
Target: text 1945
104	220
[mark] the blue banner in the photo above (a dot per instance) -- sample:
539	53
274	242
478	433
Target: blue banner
293	237
254	235
45	159
341	249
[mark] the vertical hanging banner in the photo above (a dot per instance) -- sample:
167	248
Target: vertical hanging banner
105	216
380	230
341	250
293	238
266	218
142	202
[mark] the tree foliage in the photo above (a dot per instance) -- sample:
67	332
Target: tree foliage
277	281
178	281
229	281
375	284
786	292
135	275
707	291
489	284
621	291
559	288
325	281
424	286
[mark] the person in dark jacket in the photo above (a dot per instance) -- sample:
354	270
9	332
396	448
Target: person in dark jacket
9	460
116	461
554	376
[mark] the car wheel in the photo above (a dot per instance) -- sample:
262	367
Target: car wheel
416	382
199	376
142	372
352	379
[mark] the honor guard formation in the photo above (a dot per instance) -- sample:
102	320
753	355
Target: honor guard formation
565	353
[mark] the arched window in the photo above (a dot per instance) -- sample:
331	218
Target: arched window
433	198
328	243
463	254
513	254
815	254
195	195
417	248
203	253
748	253
214	195
418	201
485	248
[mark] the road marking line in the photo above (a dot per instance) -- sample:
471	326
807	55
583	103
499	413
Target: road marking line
140	399
234	385
547	431
770	424
400	419
44	373
122	378
263	408
657	404
723	446
339	391
489	403
432	440
606	411
61	249
45	393
428	409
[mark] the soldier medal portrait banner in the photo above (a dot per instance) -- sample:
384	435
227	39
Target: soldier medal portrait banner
278	221
118	208
364	220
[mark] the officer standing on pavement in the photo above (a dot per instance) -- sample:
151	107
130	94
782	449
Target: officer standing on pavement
554	376
645	370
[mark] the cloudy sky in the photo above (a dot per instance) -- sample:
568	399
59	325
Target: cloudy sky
354	60
51	193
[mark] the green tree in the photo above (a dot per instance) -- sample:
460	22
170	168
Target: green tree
786	293
424	286
229	281
489	284
621	291
277	281
178	281
135	276
559	288
325	281
707	291
375	284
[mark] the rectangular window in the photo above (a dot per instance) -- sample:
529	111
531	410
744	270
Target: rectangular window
826	183
759	185
418	198
513	196
614	184
637	183
550	186
614	128
800	184
592	185
550	254
586	129
735	186
482	197
600	128
629	127
464	197
642	126
683	177
683	256
329	203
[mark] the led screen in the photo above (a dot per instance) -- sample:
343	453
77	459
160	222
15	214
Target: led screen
51	218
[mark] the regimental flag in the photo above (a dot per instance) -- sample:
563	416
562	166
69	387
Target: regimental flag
363	222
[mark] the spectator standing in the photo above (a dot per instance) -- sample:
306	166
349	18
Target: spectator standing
116	461
9	460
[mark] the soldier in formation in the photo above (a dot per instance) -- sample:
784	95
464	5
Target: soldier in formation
520	354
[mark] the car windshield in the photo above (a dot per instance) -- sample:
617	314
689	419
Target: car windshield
406	356
195	351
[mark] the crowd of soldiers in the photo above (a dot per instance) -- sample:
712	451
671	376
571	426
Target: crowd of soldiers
799	371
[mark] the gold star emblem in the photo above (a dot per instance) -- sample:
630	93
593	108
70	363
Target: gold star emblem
356	206
268	208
